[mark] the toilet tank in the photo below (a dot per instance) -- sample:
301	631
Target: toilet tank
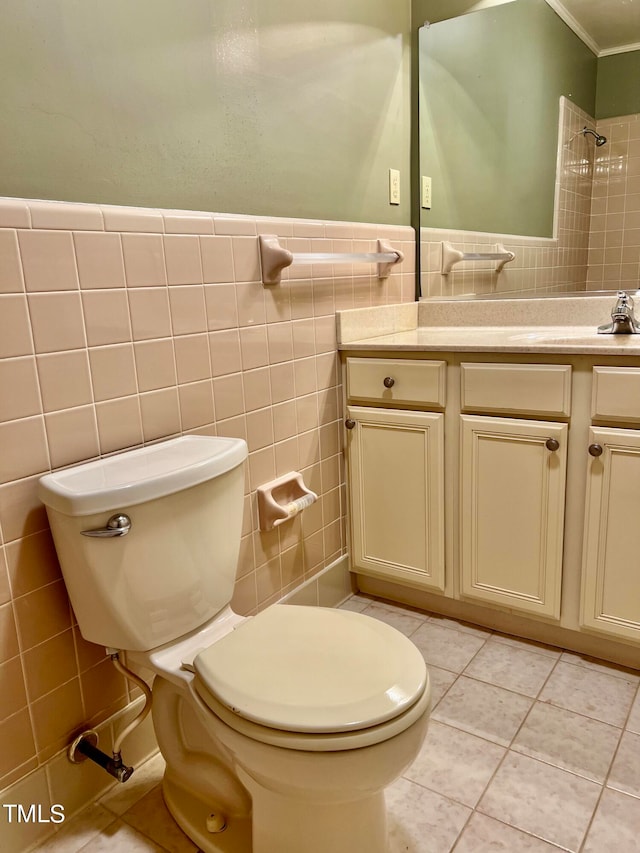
176	567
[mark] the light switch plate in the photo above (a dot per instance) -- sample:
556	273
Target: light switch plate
394	186
426	192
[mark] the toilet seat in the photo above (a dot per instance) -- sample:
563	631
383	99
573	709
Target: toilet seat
306	741
307	670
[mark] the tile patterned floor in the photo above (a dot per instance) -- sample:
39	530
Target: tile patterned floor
529	749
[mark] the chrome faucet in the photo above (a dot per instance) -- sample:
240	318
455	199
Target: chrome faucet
623	321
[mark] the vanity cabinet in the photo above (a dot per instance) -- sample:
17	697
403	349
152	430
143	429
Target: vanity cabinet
512	486
501	489
396	469
610	599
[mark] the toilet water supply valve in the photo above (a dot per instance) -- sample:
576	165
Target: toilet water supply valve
86	744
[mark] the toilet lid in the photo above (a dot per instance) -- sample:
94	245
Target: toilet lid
312	669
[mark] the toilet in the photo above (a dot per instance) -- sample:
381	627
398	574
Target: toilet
280	731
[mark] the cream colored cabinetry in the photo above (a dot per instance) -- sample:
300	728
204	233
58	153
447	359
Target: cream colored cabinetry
396	470
538	390
610	600
397	484
512	484
513	475
517	503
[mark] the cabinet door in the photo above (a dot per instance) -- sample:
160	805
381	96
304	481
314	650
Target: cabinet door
397	495
513	475
610	601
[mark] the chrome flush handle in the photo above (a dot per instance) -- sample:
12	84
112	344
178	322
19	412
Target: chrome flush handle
118	525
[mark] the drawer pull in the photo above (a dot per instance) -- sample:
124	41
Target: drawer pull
595	449
388	382
552	444
349	423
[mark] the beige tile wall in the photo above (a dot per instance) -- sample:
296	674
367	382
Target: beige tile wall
541	265
120	327
614	244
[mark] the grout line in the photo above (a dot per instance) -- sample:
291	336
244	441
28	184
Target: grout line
623	731
510	750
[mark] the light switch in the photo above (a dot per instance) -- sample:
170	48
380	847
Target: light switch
394	186
426	192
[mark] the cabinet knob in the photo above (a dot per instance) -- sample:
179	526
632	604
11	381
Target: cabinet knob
349	423
552	444
388	382
595	449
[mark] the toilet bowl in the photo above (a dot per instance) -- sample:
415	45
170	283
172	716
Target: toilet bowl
279	731
316	785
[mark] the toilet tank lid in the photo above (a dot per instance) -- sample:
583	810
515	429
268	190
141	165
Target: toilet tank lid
141	475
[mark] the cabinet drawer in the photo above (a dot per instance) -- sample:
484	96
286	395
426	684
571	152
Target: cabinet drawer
412	381
616	394
534	389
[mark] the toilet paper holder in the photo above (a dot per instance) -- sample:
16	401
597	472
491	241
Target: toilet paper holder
282	499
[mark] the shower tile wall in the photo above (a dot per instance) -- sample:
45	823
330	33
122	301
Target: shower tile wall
120	327
541	266
614	244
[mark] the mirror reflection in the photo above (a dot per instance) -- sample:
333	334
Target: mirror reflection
489	115
514	108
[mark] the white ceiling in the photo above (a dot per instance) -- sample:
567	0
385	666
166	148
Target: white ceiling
607	26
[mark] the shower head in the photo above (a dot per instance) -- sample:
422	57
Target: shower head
600	140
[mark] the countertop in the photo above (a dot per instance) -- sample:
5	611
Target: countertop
581	340
529	326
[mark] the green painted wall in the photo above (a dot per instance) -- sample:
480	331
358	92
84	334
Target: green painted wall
442	10
618	89
490	88
286	107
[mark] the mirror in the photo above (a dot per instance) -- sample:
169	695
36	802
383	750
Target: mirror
489	115
497	86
